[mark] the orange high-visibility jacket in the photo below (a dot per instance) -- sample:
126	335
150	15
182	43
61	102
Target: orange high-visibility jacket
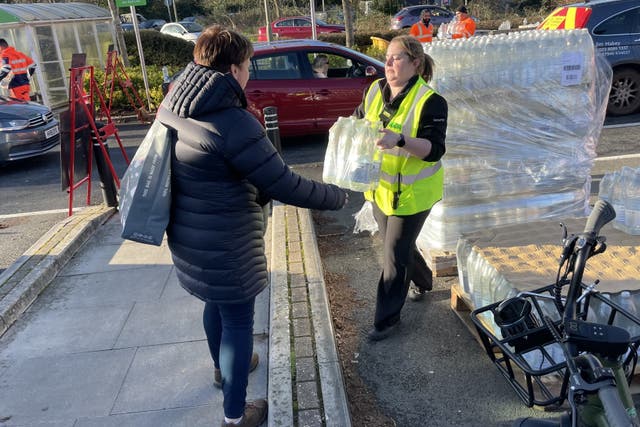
423	33
18	63
464	29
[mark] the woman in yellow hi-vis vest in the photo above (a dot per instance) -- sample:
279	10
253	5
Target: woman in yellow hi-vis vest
413	141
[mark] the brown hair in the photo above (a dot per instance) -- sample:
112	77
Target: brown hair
414	50
219	48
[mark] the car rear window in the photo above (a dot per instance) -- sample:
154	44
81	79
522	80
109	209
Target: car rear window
566	18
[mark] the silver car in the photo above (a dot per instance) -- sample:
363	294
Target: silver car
27	129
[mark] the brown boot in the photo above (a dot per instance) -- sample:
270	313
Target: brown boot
254	414
217	375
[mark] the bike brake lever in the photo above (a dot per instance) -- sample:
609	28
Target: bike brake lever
600	248
564	231
568	247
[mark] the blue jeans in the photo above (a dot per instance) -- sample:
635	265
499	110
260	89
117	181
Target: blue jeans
229	329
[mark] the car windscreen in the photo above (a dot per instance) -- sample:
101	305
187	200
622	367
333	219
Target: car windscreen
192	27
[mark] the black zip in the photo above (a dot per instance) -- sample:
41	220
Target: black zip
396	195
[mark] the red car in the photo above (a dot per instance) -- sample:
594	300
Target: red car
297	27
281	76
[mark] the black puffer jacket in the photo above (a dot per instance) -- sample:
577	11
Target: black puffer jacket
223	169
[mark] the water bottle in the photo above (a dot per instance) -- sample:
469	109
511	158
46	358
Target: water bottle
632	204
617	200
625	300
606	186
330	165
343	152
599	311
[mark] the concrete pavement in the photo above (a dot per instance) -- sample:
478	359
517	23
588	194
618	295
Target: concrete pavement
98	332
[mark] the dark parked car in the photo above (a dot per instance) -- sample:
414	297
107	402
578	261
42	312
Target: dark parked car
614	26
281	76
27	129
408	16
143	23
297	27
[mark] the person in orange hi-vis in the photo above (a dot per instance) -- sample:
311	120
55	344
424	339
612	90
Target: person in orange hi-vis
19	64
465	26
423	29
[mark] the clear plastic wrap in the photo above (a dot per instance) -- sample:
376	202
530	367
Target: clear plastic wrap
525	114
352	159
365	221
622	189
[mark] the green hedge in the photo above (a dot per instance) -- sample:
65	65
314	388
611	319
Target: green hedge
159	49
120	100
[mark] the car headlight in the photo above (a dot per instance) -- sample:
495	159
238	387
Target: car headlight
14	124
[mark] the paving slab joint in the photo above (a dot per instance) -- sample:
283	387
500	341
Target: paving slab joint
30	274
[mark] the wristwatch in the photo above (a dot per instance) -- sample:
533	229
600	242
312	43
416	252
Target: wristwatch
401	141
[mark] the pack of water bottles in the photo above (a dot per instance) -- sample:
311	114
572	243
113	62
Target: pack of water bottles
622	189
525	114
352	160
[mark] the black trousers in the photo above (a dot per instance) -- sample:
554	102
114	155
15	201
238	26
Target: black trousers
402	263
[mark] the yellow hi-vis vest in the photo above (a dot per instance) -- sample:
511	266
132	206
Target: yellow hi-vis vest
408	185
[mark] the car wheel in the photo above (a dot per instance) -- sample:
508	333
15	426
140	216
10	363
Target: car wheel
624	97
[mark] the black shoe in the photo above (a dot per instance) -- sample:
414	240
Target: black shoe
217	375
416	293
380	334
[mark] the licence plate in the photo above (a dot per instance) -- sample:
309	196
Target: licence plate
51	132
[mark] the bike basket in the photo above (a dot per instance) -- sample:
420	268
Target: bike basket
521	346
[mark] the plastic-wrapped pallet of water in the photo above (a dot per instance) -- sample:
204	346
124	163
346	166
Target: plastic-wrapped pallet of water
352	159
525	113
622	189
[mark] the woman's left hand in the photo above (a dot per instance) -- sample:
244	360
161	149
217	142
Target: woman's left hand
388	141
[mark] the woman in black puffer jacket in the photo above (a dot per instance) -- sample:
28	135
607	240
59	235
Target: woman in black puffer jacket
224	170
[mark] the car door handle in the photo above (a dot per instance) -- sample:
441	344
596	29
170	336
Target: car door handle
256	93
324	92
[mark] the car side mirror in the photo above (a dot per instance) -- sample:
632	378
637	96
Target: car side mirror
370	71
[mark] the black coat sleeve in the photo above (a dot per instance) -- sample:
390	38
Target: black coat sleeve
433	126
255	158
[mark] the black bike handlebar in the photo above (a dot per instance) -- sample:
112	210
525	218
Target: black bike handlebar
614	409
601	214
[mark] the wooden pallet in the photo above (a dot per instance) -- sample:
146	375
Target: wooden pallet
462	307
441	263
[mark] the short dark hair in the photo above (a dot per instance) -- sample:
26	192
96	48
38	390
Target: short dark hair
3	43
219	48
462	9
